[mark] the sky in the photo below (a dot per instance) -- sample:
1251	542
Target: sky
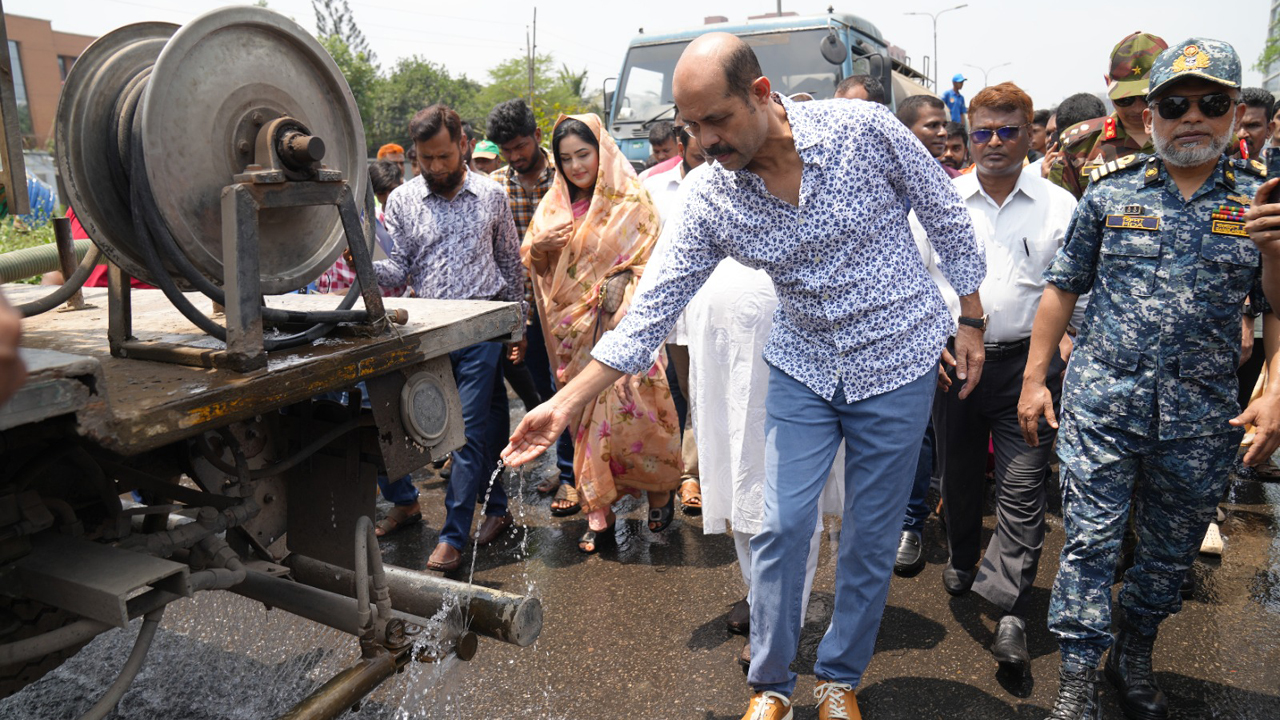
1053	49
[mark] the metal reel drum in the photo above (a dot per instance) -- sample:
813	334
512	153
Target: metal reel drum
87	154
220	79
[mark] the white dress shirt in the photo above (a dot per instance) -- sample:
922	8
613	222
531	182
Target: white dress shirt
664	188
1020	238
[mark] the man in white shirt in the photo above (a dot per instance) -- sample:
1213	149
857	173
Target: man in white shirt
1021	220
664	187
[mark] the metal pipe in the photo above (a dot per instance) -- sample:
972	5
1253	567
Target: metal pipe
493	613
327	608
345	689
32	261
67	258
141	646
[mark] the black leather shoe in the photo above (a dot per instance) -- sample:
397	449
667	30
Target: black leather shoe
739	621
910	559
958	582
1188	587
1010	645
1077	694
1129	670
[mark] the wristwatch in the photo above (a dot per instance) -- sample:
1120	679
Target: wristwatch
980	323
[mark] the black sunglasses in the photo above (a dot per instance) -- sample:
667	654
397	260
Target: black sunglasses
1008	133
1127	101
1211	106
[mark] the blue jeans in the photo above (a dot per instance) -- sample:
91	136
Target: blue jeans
487	423
398	492
535	357
802	432
917	508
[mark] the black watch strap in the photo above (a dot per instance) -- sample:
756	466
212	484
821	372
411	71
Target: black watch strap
980	323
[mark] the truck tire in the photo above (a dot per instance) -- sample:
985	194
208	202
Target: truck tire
33	618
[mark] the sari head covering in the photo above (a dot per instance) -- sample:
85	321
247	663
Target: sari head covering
629	437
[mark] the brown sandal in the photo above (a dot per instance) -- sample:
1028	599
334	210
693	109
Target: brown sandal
566	494
691	496
400	517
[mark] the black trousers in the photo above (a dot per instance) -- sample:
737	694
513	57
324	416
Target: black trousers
1009	565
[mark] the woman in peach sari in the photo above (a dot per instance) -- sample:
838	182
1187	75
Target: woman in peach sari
586	248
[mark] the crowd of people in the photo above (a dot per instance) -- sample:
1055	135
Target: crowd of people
806	308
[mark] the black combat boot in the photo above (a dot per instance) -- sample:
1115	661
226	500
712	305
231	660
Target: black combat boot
1077	694
1129	670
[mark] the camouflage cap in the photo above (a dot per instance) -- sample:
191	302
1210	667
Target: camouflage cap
1131	61
1212	60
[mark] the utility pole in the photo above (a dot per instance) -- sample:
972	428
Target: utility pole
533	55
934	17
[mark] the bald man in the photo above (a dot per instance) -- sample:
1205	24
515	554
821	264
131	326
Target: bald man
816	195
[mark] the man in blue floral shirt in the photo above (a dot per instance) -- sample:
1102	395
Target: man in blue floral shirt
816	195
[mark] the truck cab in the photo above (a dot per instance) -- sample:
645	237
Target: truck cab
810	54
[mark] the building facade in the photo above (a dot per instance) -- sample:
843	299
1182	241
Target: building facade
40	57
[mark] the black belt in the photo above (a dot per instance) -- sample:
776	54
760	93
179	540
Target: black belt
999	351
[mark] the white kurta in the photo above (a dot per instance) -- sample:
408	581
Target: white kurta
728	324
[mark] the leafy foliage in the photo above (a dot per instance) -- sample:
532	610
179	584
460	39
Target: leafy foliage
387	100
333	17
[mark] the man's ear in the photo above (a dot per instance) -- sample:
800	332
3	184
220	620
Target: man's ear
761	89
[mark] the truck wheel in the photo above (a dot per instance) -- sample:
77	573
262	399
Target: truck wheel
21	619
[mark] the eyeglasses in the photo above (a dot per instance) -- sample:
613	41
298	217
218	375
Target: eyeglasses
1127	101
1211	106
1008	133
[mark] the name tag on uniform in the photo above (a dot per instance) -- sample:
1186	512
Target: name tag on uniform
1227	227
1133	222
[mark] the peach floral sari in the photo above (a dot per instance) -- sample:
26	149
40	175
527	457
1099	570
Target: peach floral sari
626	440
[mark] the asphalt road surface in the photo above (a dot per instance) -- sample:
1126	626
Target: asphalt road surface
639	632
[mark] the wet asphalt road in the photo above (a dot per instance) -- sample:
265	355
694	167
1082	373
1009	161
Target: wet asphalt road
638	632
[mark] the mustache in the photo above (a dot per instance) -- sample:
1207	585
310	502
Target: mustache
719	149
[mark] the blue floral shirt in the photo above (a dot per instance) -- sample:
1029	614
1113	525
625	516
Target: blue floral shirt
460	249
855	303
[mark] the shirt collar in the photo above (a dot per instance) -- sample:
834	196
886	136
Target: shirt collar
468	185
1025	185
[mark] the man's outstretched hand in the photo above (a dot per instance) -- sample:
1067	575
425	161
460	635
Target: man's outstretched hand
539	430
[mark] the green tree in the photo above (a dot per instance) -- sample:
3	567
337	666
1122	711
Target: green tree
415	83
554	92
361	73
333	17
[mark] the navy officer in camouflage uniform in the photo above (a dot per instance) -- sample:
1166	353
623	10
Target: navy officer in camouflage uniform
1149	409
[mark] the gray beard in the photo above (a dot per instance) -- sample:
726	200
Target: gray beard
1169	151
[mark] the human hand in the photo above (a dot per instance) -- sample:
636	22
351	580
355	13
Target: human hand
539	430
944	379
13	372
1035	402
1246	340
1264	415
516	350
970	356
1262	221
553	239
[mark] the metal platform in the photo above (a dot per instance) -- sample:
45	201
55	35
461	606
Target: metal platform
136	405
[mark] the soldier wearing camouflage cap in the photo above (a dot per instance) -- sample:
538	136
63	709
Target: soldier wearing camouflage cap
1149	411
1089	144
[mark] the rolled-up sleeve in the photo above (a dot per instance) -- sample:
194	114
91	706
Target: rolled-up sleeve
1076	265
693	255
937	205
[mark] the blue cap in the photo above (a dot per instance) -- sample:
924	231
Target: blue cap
1212	60
959	77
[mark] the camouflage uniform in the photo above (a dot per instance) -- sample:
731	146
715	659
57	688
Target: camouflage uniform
1150	387
1088	145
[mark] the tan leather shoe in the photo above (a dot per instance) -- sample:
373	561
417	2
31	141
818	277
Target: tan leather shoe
445	558
492	527
836	701
768	705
